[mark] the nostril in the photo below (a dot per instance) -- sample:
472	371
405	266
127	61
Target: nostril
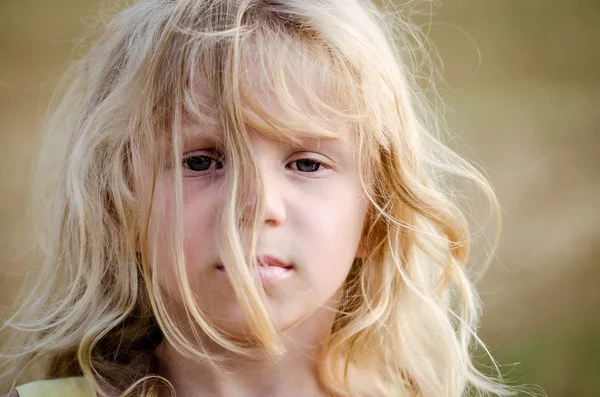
271	222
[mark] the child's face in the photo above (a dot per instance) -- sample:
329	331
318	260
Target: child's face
314	214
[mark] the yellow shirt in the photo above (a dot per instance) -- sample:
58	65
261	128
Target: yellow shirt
67	387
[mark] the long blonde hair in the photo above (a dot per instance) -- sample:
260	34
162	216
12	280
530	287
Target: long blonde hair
409	311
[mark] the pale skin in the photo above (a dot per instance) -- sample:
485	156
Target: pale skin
314	217
313	221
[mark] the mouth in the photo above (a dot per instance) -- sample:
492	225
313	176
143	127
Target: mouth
267	261
271	261
270	269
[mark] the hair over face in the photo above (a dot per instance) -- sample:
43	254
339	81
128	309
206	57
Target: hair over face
409	311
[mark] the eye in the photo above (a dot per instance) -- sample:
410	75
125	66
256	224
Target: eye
307	165
201	164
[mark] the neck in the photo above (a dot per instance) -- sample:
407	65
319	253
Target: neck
295	374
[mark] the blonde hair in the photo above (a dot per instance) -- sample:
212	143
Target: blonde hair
409	311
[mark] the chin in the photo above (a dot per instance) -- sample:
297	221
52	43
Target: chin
234	324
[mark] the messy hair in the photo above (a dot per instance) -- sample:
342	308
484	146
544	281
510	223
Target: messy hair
409	311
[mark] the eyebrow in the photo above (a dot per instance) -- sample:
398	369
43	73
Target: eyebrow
194	139
196	133
325	142
340	148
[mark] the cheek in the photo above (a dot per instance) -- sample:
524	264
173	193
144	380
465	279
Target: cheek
332	226
199	218
201	209
337	216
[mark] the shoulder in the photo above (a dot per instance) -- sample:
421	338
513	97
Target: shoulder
67	387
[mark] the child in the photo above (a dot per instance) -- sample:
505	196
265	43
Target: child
249	202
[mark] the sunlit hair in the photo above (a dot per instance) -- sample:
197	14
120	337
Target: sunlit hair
409	311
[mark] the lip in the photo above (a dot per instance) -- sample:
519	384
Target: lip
266	261
271	269
273	261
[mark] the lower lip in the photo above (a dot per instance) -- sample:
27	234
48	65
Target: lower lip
268	274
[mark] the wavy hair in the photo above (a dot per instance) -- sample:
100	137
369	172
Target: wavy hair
409	311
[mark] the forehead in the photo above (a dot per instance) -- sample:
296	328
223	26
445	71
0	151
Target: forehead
285	95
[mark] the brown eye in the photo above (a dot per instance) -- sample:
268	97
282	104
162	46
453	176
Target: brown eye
201	163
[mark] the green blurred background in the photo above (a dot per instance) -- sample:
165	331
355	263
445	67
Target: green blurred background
523	93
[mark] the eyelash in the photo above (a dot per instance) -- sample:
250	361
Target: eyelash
318	163
218	164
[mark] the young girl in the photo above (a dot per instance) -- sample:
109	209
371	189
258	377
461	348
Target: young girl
249	199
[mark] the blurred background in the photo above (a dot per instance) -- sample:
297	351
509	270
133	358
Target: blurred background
523	99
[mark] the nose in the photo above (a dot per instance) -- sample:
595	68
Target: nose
274	212
274	204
